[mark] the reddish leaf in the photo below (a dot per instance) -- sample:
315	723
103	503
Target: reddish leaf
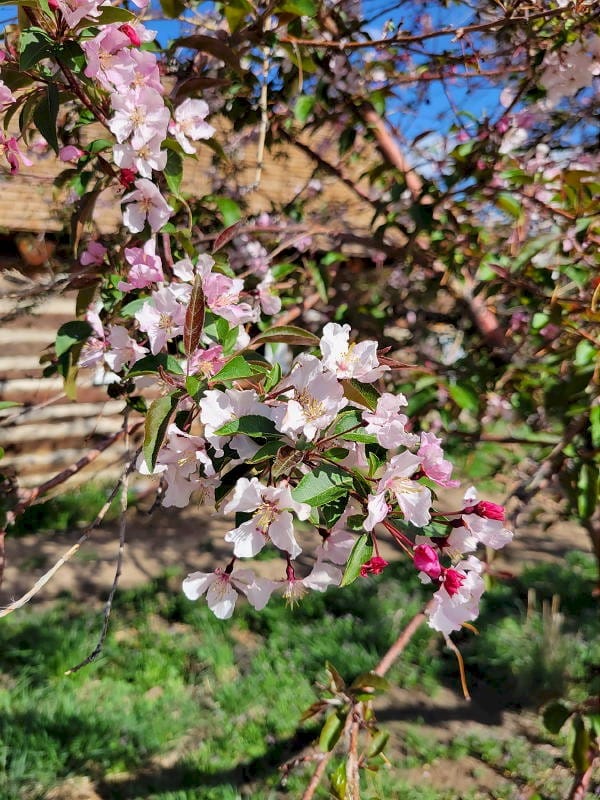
227	235
194	318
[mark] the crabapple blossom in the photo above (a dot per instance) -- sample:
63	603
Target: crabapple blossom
74	11
388	424
140	114
13	153
347	360
317	398
271	518
319	579
123	350
457	602
220	587
162	318
145	203
189	123
146	267
6	96
93	255
413	498
433	463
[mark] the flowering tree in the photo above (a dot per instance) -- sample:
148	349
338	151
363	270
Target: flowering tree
487	219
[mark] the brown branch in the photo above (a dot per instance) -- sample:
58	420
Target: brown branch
402	641
39	584
457	32
390	149
317	776
581	783
67	473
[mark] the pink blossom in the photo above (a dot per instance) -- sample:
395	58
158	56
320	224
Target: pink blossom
131	34
387	423
206	362
317	398
337	546
413	498
140	114
6	96
146	202
347	360
270	303
218	407
146	267
188	123
162	318
142	159
450	611
433	463
476	528
74	11
220	587
93	254
319	579
123	349
271	520
222	297
14	155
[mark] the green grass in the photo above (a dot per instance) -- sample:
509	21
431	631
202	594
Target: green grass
222	699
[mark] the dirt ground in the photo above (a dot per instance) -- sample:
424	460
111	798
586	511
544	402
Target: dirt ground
193	540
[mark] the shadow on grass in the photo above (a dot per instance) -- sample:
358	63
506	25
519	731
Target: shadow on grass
185	775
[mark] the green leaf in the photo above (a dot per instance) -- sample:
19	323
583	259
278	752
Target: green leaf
174	171
304	106
332	511
235	13
267	452
272	378
464	397
371	680
319	275
364	394
8	404
34	45
301	8
45	115
194	318
378	744
361	553
323	484
110	15
348	420
157	420
338	782
98	145
70	334
555	716
149	365
236	369
252	425
331	731
510	205
130	309
288	334
580	748
587	495
229	209
595	425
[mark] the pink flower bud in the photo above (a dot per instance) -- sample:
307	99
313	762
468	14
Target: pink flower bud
489	510
131	34
373	567
127	177
453	580
427	561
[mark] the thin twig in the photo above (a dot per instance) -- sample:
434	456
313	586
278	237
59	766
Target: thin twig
16	604
109	603
67	473
402	641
